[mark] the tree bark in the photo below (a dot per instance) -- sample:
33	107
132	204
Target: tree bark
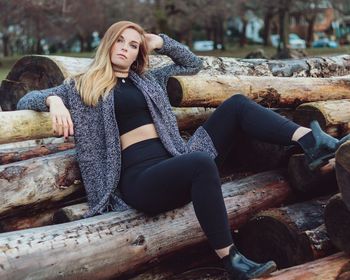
211	91
337	220
39	151
332	115
313	183
40	72
283	234
36	182
342	168
111	244
334	267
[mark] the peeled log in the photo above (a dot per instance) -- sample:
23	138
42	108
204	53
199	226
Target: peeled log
24	125
70	213
332	115
111	244
342	168
27	124
38	181
334	267
303	180
191	118
42	150
211	91
283	234
27	144
39	72
337	220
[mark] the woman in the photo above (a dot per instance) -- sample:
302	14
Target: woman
128	145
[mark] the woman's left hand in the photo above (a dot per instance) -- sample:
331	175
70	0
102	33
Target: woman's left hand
153	41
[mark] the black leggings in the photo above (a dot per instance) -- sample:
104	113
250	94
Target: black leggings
154	181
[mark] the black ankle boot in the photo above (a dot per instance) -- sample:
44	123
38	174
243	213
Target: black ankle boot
240	268
324	148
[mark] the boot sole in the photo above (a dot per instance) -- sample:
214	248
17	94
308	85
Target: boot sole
320	161
266	269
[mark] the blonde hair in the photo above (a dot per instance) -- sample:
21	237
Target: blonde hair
99	79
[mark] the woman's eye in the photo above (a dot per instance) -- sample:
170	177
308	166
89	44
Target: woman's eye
134	47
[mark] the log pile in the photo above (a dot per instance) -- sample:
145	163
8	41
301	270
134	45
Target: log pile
277	208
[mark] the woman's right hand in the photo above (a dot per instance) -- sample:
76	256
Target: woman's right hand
60	116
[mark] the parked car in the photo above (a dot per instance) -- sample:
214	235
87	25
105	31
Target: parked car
324	42
295	42
203	45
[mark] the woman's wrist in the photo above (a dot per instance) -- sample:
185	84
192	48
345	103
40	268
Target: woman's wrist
52	99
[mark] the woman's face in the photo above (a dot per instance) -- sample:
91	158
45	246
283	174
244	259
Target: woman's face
125	49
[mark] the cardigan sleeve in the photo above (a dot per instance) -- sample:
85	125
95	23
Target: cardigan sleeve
36	99
185	62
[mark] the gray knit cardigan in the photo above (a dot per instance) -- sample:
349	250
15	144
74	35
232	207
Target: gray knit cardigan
96	131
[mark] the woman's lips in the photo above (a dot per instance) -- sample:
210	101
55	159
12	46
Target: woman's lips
121	55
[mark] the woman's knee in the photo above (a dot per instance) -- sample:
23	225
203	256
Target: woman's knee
238	98
203	161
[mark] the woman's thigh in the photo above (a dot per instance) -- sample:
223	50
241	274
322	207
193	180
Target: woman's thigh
165	185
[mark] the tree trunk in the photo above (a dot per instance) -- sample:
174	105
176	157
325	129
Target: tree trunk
337	219
334	267
113	243
342	168
283	234
211	91
313	183
39	151
36	182
310	31
332	115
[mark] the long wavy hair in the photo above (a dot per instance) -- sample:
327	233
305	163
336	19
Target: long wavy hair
99	79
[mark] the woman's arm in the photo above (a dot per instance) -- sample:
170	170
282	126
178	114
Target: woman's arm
185	61
54	100
37	100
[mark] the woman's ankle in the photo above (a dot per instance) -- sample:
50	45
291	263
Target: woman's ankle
223	252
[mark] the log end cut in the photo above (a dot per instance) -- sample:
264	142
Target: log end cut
337	220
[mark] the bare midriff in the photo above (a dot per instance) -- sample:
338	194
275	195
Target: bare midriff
141	133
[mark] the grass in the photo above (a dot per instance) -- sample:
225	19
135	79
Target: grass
6	63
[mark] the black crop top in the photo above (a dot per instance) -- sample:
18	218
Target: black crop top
130	106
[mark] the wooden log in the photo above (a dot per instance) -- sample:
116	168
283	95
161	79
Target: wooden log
39	71
24	125
334	267
35	182
111	244
313	183
337	220
332	115
27	124
42	150
342	167
70	213
195	262
191	118
283	234
28	144
36	218
211	91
